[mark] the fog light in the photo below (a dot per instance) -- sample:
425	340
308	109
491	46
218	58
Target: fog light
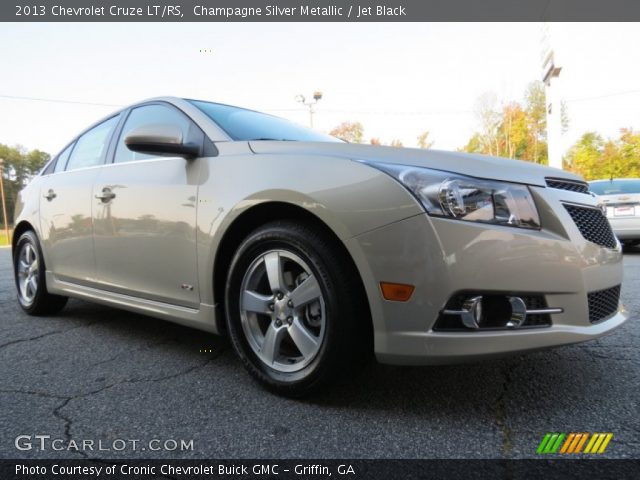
491	311
471	312
518	312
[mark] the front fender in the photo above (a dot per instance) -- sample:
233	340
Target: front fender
349	197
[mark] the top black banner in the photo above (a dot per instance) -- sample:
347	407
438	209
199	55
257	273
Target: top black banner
318	11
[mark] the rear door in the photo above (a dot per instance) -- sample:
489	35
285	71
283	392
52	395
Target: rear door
65	205
144	216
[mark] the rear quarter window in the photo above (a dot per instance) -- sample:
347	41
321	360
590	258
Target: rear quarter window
91	147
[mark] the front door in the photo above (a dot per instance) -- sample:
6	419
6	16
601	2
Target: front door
144	216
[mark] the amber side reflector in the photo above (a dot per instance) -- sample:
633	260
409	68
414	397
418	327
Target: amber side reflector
397	292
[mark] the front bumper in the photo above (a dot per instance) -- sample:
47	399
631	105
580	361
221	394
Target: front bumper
441	257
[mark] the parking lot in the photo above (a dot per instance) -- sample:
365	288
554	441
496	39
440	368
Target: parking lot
101	374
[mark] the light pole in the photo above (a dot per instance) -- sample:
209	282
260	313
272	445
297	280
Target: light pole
316	98
4	203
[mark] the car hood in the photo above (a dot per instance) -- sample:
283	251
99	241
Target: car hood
474	165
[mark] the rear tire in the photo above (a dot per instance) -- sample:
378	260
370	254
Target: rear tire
29	272
295	309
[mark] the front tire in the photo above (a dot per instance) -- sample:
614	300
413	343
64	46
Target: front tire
29	271
295	308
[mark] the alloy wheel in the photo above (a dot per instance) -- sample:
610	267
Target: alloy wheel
282	310
28	269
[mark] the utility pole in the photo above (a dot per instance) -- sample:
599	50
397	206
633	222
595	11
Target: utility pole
4	203
316	98
551	68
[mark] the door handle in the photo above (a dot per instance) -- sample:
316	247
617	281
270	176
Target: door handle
50	195
106	195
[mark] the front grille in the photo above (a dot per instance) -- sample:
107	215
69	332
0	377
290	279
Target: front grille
593	225
571	185
603	303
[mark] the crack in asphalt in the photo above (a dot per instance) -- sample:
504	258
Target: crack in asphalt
149	380
501	408
67	427
68	421
48	334
66	399
149	345
598	374
35	393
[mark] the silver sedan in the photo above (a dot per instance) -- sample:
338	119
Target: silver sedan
620	200
311	254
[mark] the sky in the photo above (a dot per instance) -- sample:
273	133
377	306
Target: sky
397	79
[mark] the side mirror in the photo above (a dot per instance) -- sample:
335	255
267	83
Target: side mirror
160	139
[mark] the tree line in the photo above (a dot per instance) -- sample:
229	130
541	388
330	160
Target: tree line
19	166
353	132
593	157
518	130
515	130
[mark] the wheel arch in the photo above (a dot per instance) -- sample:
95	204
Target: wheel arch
259	215
18	230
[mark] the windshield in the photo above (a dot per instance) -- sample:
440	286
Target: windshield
613	187
242	124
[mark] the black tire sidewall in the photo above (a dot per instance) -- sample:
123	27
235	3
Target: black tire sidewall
43	303
30	237
313	251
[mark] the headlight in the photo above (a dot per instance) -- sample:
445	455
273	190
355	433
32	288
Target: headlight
451	195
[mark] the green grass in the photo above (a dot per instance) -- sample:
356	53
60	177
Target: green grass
3	238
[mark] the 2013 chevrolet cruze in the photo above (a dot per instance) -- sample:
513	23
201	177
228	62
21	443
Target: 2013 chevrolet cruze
311	252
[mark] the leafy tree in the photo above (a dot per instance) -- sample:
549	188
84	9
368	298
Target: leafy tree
375	141
474	145
585	157
564	117
536	109
489	120
396	143
513	133
351	132
629	152
19	167
595	158
423	140
515	130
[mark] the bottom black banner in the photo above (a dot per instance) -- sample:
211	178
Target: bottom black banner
318	469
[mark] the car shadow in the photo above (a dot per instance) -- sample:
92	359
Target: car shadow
455	390
142	329
631	250
487	385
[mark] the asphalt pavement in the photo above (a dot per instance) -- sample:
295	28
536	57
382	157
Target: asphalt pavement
99	374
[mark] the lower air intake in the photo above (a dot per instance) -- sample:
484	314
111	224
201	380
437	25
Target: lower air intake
603	303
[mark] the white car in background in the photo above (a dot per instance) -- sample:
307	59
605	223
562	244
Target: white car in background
620	200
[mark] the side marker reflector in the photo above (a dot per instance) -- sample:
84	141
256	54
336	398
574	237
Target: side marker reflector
396	292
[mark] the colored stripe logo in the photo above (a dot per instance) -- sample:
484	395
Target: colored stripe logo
573	443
